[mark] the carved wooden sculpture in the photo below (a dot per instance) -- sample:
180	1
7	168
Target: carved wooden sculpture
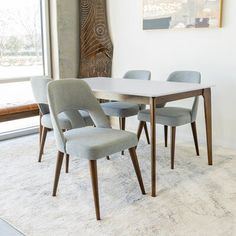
96	48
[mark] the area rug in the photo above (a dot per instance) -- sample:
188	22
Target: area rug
193	199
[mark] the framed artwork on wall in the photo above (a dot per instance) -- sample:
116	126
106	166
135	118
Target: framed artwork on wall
174	14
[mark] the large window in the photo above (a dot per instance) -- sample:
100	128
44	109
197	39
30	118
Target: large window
24	51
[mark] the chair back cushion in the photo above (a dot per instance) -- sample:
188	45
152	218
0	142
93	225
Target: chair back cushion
39	88
69	96
138	74
187	77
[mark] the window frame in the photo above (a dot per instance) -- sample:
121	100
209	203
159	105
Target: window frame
47	69
46	45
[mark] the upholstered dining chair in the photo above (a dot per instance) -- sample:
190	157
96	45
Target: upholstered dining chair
176	116
91	143
39	87
126	109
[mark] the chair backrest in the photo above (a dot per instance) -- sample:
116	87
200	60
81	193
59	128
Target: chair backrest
39	87
138	74
187	77
72	95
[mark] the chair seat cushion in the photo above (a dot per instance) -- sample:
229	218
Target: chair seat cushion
170	116
120	109
94	143
64	121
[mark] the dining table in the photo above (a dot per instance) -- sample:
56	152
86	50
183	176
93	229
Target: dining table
154	93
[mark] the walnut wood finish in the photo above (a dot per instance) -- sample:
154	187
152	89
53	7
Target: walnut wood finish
42	143
67	162
143	124
140	128
94	180
146	132
153	143
208	121
173	135
146	100
57	172
18	112
96	49
166	135
194	131
134	159
122	127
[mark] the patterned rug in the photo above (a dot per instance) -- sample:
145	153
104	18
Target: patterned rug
193	199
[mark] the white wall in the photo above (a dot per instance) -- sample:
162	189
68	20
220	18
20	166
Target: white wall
210	51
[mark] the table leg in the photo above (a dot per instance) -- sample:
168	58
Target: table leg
40	128
208	122
153	144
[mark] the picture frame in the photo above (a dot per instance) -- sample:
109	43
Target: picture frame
177	14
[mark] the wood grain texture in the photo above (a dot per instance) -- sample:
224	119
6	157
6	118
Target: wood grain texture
96	49
18	112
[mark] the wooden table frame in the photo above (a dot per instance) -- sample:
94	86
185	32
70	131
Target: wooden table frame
152	102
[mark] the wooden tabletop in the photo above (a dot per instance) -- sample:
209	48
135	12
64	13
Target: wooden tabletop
145	88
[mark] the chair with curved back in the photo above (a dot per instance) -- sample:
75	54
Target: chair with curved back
91	143
126	109
39	87
176	116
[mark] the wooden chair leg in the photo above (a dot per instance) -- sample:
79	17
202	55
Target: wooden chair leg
44	135
173	134
67	162
57	172
134	159
122	127
146	132
194	131
166	135
94	180
140	129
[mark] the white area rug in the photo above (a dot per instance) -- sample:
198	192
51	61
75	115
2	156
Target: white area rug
193	199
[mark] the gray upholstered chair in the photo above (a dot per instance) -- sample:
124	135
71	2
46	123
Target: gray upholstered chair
125	109
39	87
176	116
91	143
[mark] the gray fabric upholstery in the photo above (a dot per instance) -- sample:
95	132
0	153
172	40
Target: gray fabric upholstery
170	116
120	109
176	116
39	87
94	143
63	120
125	109
8	230
67	120
138	74
44	109
188	77
90	143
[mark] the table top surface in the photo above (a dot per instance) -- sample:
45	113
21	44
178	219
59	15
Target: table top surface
146	88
